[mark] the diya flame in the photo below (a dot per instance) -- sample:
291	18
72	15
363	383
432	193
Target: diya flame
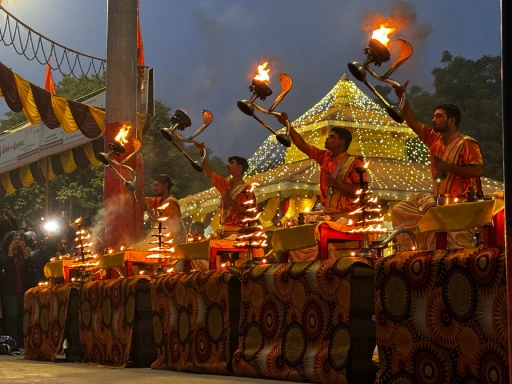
123	134
382	34
263	73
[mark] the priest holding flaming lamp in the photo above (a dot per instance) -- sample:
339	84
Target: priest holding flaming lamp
234	192
456	166
339	180
168	207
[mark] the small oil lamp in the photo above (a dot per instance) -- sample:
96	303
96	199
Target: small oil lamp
260	89
179	122
377	53
117	148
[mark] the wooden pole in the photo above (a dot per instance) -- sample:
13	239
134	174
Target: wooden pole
46	190
120	223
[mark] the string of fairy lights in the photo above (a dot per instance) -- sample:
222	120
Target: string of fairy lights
399	156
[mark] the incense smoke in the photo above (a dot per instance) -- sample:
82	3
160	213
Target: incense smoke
403	17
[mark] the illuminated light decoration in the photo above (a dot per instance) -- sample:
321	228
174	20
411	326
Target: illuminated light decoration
391	146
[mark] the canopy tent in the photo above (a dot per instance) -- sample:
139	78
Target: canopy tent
32	152
286	174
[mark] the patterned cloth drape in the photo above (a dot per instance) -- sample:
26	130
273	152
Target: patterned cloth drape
442	317
107	311
39	105
294	321
195	321
44	320
54	111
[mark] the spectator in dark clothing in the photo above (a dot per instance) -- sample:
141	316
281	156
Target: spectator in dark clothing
63	247
16	266
29	236
40	257
8	223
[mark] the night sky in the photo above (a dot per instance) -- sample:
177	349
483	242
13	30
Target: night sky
205	52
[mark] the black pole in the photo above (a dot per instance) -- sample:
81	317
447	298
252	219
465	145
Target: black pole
506	74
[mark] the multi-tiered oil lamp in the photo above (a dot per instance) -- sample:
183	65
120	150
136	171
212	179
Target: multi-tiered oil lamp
369	212
260	90
377	53
252	236
83	239
164	249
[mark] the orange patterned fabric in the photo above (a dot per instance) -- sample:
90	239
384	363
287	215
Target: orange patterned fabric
464	150
195	329
441	317
347	175
107	311
44	320
294	321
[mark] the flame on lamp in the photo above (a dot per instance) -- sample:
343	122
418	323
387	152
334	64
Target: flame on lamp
162	207
263	73
123	134
382	34
254	185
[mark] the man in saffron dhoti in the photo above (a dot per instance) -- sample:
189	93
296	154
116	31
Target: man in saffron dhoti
339	181
456	165
234	193
167	206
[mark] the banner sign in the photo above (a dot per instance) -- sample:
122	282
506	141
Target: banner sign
29	143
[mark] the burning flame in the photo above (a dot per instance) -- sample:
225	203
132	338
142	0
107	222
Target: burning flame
123	134
162	207
371	229
382	33
263	73
254	186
